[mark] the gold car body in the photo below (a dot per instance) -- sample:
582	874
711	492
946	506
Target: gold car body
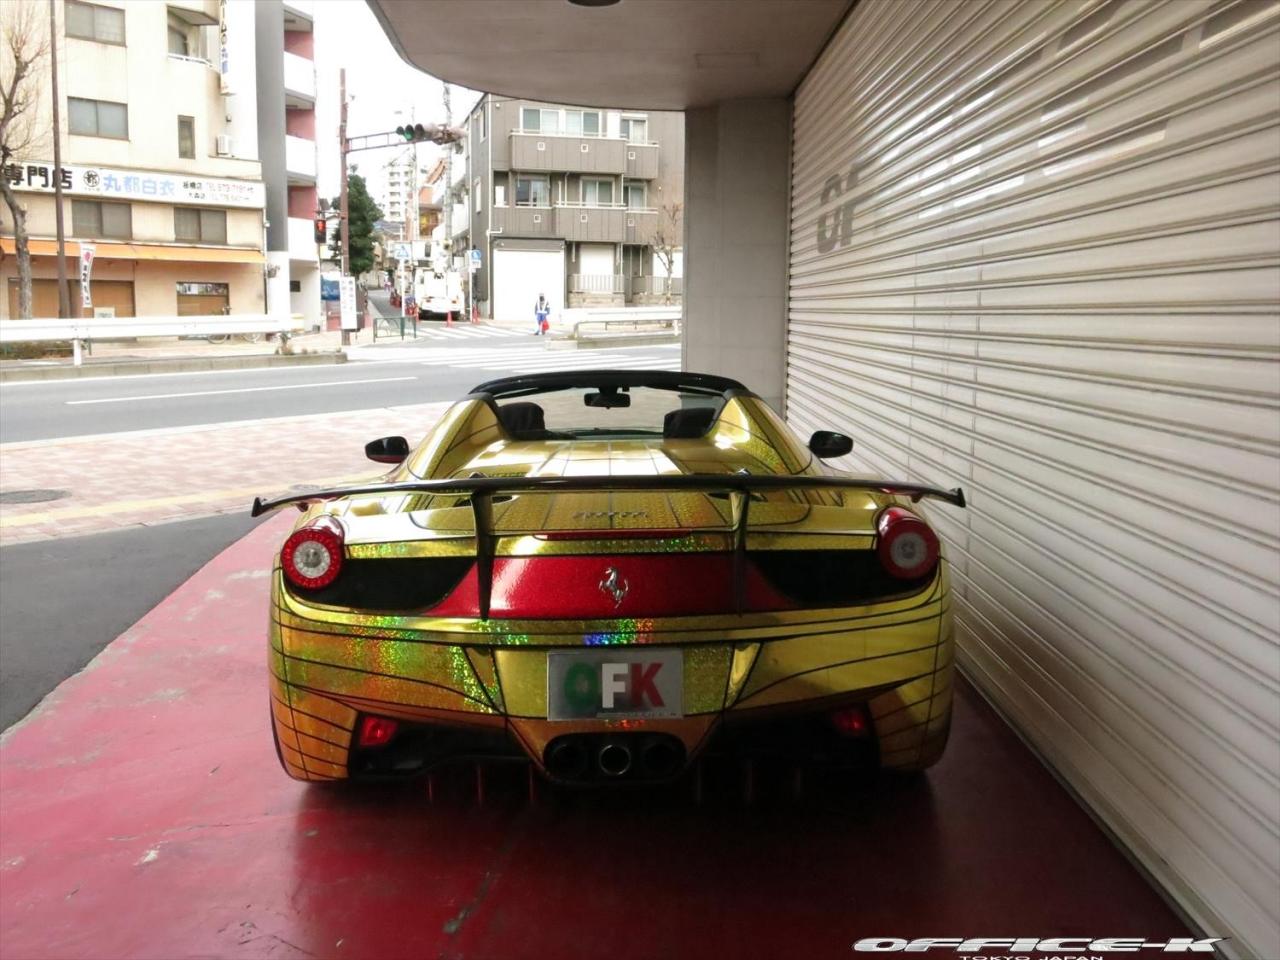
330	665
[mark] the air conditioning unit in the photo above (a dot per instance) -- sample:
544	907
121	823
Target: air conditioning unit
226	145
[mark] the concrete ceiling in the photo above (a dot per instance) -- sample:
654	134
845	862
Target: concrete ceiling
642	54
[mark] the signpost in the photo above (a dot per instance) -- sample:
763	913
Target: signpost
347	301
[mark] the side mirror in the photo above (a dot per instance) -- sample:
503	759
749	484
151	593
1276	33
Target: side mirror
826	444
387	450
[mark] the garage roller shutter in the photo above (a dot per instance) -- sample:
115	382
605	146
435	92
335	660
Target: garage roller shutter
1036	252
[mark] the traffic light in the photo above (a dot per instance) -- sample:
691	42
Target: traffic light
321	229
435	133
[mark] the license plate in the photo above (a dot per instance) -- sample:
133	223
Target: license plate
607	683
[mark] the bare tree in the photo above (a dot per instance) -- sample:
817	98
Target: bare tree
667	240
23	45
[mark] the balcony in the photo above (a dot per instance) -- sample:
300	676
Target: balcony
564	153
299	81
609	223
302	243
525	221
642	161
300	160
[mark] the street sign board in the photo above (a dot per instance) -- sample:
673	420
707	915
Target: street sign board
347	301
473	261
402	251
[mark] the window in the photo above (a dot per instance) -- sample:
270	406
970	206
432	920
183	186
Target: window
597	193
635	195
532	191
200	226
98	118
90	218
203	299
89	22
480	124
178	42
534	120
295	286
635	129
187	137
477	195
582	122
499	194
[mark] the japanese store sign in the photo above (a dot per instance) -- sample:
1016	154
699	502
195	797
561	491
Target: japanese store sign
109	183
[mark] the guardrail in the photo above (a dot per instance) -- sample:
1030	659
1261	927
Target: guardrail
79	329
631	318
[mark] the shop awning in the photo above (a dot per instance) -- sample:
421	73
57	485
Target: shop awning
141	251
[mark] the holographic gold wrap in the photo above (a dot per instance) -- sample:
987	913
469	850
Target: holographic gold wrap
329	664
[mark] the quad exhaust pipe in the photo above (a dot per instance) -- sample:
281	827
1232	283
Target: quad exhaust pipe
584	757
614	759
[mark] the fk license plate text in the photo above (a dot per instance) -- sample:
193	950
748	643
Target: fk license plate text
602	684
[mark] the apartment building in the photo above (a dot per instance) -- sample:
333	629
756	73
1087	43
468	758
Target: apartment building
163	160
570	202
286	109
396	197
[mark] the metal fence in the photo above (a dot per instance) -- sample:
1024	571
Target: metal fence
597	283
655	286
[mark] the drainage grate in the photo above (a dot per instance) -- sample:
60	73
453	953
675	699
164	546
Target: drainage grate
32	496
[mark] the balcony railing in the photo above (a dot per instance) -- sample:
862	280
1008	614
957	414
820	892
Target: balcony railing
299	76
302	239
300	158
655	286
597	283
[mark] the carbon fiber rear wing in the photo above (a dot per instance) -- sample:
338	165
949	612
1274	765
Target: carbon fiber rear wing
482	490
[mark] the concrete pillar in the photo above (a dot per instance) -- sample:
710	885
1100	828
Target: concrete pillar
737	185
269	18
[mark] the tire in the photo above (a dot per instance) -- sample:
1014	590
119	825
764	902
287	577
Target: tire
251	337
218	337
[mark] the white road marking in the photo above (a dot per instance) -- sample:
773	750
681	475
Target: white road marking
210	393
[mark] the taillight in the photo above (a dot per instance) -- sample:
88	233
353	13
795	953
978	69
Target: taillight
850	721
907	547
376	731
312	556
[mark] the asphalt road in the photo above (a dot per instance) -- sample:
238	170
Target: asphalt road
393	375
61	601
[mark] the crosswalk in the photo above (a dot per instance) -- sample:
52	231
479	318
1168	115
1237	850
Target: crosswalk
539	360
465	331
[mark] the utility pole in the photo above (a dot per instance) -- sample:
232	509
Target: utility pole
448	182
64	297
343	226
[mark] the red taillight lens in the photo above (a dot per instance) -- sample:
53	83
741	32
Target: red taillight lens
907	547
851	721
312	556
376	731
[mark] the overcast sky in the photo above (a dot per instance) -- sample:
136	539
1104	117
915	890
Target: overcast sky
378	83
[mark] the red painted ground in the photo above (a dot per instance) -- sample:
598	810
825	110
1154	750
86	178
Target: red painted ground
142	814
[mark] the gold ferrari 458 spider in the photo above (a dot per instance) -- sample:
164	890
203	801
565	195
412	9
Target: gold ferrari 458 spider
609	574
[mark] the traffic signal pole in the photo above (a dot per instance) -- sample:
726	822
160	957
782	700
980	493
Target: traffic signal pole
415	133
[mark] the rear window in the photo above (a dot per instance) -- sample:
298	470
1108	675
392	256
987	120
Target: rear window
622	412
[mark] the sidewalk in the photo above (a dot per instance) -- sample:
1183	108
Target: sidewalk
157	476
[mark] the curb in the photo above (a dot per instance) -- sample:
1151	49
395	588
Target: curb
112	368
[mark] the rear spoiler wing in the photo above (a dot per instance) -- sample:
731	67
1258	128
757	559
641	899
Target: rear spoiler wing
735	482
483	489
